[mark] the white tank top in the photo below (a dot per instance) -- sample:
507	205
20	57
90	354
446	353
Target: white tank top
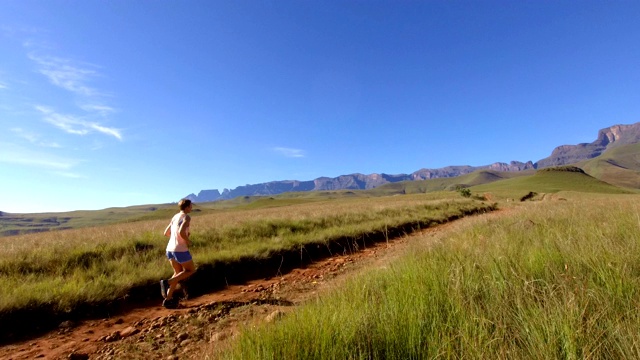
176	242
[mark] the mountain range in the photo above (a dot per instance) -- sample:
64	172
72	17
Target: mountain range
608	138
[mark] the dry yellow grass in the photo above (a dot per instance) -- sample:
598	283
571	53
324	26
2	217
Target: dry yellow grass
68	267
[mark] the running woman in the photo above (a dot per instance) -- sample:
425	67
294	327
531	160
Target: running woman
178	253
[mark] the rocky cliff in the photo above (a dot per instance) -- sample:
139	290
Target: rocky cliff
562	155
608	138
345	182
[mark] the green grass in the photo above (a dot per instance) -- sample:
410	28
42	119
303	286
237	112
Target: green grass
446	184
619	166
62	270
65	269
548	181
19	224
550	280
15	224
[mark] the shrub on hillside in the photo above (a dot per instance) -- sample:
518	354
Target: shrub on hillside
567	168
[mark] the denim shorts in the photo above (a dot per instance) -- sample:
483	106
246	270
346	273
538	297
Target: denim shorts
180	256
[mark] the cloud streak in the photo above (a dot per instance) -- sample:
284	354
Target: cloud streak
73	125
13	154
290	153
103	110
34	138
67	75
75	77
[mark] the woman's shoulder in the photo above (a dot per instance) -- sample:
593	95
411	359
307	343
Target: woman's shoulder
177	216
181	216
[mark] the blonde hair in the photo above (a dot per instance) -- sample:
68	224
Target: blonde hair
184	203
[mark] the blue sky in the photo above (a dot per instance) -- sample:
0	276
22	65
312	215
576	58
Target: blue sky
117	103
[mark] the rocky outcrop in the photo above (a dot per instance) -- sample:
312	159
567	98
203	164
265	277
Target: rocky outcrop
348	182
449	171
205	195
608	138
356	181
618	135
512	166
353	181
570	154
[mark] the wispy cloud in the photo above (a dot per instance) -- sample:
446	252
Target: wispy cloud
15	31
75	77
34	138
288	152
67	75
75	125
3	86
14	154
103	110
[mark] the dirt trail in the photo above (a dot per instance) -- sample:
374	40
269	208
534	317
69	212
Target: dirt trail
205	322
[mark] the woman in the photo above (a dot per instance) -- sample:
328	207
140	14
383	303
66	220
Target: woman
178	253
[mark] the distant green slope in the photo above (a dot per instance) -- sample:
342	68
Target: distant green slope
550	180
14	224
619	166
440	184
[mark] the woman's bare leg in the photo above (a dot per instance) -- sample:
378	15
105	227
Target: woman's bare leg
177	269
180	273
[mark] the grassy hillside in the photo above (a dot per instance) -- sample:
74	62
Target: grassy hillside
15	224
50	275
619	166
50	272
19	224
440	184
549	180
546	280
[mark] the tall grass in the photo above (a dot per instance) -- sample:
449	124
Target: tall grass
550	280
67	268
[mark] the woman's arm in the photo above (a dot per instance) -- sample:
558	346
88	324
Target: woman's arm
167	231
183	229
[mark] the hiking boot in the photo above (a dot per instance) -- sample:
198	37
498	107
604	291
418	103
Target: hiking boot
170	303
164	288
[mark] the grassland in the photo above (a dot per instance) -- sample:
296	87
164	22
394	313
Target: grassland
619	166
550	182
554	279
16	224
447	184
548	280
59	272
